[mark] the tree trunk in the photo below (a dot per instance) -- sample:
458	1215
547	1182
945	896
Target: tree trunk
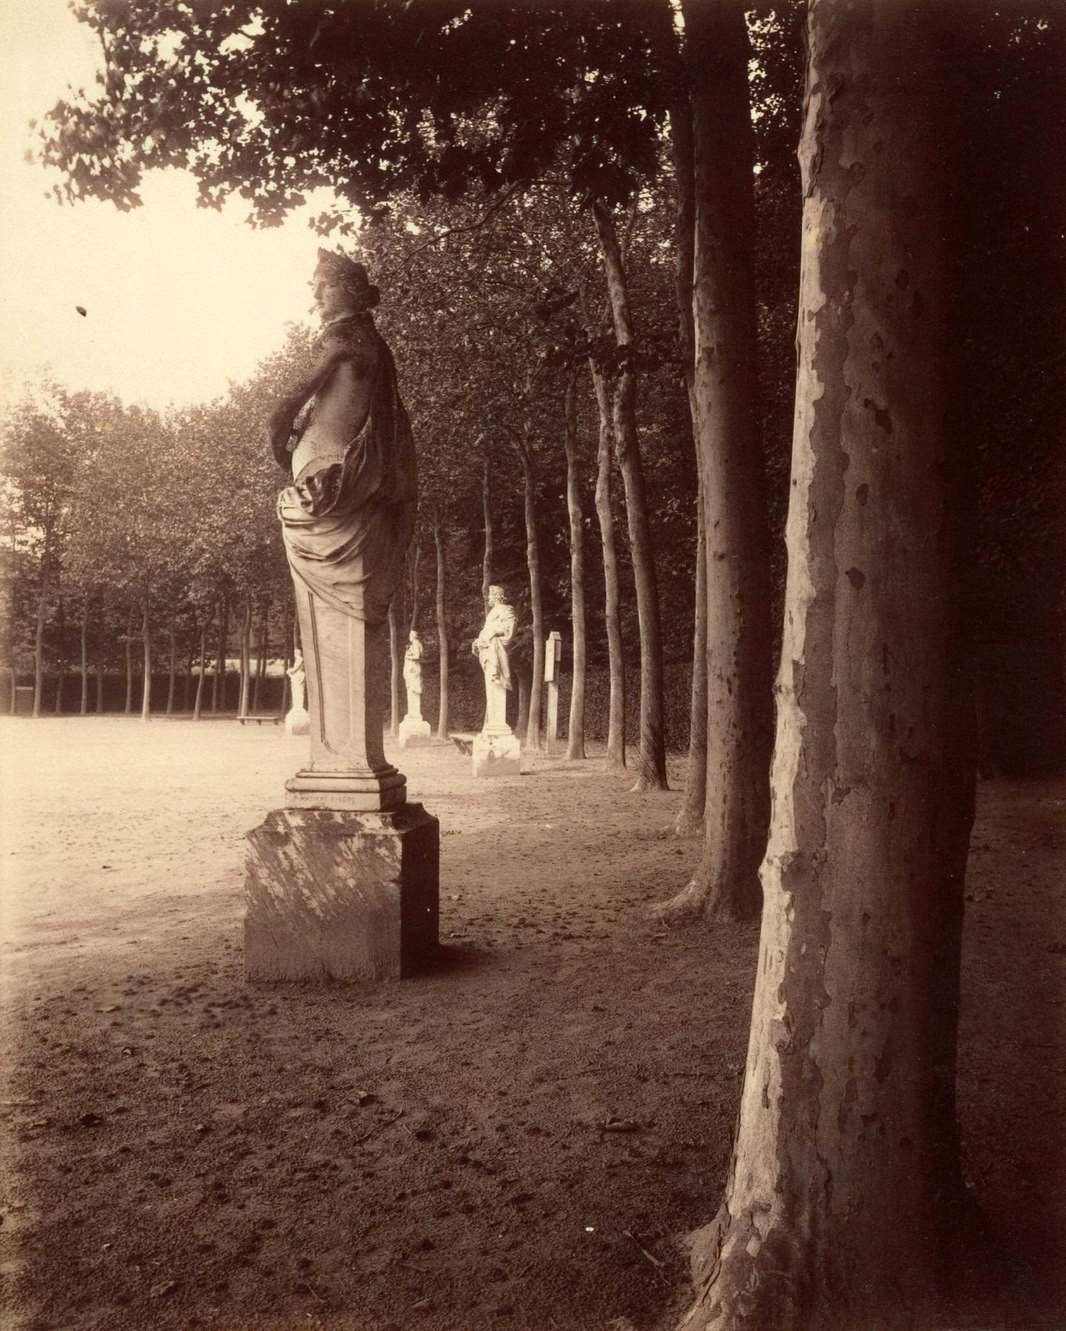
651	761
489	552
689	820
198	703
616	710
395	664
85	657
128	711
173	666
261	651
840	1202
442	626
736	539
146	644
575	733
38	640
416	558
521	727
536	599
99	688
246	654
218	687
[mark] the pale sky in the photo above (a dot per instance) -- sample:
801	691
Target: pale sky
180	299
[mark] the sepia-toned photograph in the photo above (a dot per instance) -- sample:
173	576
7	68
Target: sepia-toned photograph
533	665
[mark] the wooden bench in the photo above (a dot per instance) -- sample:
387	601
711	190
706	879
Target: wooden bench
271	719
463	740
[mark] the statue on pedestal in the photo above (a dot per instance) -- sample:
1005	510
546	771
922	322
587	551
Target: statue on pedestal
413	729
342	883
490	648
346	522
296	719
412	674
496	750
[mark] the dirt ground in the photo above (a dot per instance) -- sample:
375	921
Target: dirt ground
184	1151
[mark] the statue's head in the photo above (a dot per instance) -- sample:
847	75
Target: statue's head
341	286
497	595
413	636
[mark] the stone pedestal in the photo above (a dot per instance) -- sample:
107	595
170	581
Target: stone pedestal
341	896
497	753
412	731
297	722
347	662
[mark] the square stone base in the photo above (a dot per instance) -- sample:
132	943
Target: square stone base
497	755
341	896
413	731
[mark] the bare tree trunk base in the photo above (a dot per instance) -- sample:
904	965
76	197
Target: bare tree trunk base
702	899
688	823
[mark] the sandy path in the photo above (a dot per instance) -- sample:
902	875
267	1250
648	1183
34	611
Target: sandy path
193	1152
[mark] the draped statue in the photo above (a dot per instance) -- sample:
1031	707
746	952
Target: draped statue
346	521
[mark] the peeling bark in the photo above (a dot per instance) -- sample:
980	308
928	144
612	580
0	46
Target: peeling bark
841	1202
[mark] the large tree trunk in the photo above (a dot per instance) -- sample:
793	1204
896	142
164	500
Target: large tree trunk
575	734
840	1199
84	709
246	659
442	625
736	538
61	662
172	680
689	820
38	638
395	663
612	618
488	553
651	762
536	598
146	645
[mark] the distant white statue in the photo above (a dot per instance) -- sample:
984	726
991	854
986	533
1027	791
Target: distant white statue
412	674
297	722
413	729
490	648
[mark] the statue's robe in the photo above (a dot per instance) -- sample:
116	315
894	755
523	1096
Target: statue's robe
496	633
347	524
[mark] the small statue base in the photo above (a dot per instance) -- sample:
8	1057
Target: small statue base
412	731
495	753
297	722
341	896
